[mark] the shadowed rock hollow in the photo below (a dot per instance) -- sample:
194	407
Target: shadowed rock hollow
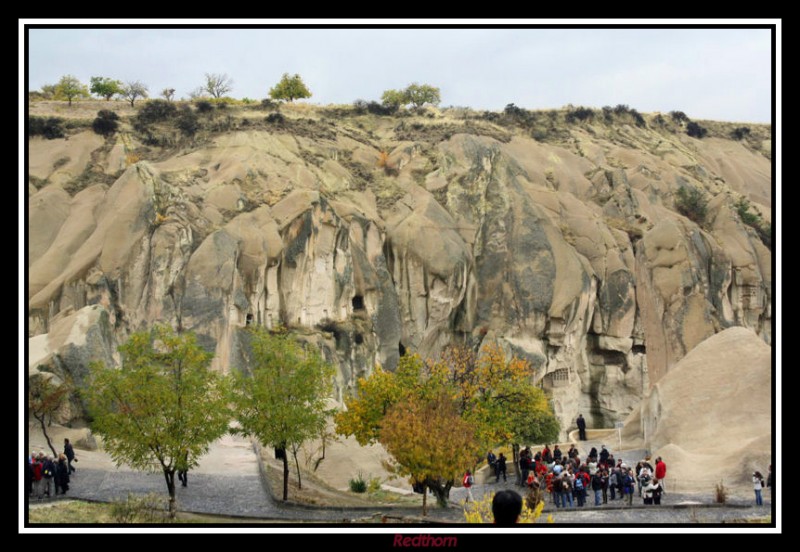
563	244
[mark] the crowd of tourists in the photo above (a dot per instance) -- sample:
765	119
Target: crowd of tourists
48	476
571	481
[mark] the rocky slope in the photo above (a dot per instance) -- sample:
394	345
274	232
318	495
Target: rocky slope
375	235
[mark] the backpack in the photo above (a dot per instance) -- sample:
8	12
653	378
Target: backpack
468	480
579	483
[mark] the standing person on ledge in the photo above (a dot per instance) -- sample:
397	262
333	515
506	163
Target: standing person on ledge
581	427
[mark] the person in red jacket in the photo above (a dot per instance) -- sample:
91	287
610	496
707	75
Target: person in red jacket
38	488
661	473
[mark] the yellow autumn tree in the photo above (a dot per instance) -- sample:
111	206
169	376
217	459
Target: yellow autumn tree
429	441
495	397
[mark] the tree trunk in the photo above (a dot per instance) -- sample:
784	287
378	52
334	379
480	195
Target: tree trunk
297	466
441	492
285	475
169	475
44	432
424	499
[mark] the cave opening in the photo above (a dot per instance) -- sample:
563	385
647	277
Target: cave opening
358	302
359	339
402	349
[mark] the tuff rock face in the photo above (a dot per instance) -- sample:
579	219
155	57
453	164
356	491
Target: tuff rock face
567	252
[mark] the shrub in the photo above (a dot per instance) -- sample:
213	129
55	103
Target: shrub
360	107
49	127
204	106
106	122
679	116
156	111
696	131
740	133
691	203
382	109
188	122
513	111
275	119
580	114
149	508
358	485
374	484
268	104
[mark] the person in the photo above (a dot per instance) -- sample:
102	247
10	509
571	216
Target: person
506	507
36	466
48	473
468	481
524	466
770	482
28	474
62	474
604	455
572	452
604	480
566	490
501	467
547	456
758	484
491	459
597	487
656	492
183	469
579	486
643	475
629	484
646	491
556	453
69	452
661	473
553	482
581	427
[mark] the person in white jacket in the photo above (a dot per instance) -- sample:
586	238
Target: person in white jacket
758	484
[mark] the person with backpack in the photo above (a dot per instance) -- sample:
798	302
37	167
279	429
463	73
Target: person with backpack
758	485
579	486
597	487
468	481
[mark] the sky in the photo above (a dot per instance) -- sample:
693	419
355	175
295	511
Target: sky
712	73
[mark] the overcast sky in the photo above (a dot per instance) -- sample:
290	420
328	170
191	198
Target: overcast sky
722	74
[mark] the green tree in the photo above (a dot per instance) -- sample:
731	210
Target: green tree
218	85
105	87
420	94
45	397
132	90
289	88
162	408
394	98
70	87
282	401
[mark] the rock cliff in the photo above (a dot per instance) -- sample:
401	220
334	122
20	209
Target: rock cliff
377	235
